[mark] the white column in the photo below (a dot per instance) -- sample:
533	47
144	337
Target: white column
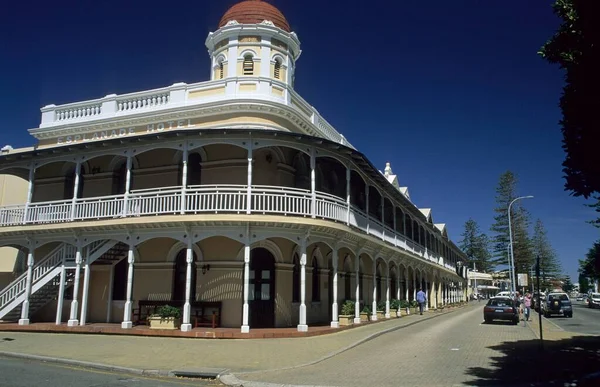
245	326
397	283
127	185
414	285
127	323
29	192
374	302
86	289
302	327
348	190
61	290
357	291
24	320
109	300
75	188
184	177
426	290
387	293
75	303
313	182
249	188
406	283
189	257
334	305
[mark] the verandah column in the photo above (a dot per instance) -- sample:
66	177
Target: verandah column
374	303
75	188
24	320
426	290
184	177
245	327
348	179
334	305
29	193
86	288
302	327
406	283
398	282
357	290
61	287
189	257
127	324
387	293
75	303
313	182
249	188
414	295
367	207
127	185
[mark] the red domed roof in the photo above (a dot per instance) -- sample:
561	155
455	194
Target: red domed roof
254	12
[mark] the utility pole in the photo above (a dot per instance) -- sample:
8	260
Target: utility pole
537	273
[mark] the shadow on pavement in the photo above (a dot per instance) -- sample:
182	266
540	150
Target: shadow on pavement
522	363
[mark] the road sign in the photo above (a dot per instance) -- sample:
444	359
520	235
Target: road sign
522	278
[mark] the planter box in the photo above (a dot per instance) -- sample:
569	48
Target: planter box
380	315
364	317
397	314
157	322
346	320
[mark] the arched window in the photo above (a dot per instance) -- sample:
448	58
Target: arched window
316	283
248	66
296	280
221	69
277	69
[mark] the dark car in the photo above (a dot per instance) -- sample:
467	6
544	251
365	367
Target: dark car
501	308
557	303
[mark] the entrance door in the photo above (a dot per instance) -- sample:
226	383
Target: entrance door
261	297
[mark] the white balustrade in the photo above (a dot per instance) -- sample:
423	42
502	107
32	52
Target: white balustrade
210	199
142	102
75	112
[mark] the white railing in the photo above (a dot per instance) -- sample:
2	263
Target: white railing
137	102
216	199
79	112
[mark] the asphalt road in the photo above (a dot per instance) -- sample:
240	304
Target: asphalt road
26	373
584	320
453	349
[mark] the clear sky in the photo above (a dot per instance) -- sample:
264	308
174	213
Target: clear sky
452	93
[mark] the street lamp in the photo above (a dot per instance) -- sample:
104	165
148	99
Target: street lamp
512	253
510	272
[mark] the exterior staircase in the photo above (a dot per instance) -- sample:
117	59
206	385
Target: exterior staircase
46	276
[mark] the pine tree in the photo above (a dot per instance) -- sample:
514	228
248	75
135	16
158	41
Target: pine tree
567	285
523	255
475	245
549	264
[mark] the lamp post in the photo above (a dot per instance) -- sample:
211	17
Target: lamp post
510	272
512	256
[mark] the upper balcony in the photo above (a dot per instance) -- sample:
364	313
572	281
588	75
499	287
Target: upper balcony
248	90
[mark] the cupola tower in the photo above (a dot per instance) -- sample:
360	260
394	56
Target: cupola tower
254	39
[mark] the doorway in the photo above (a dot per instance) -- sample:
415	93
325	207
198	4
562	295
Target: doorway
261	295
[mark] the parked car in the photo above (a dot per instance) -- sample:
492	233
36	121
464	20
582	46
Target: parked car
557	303
501	308
594	300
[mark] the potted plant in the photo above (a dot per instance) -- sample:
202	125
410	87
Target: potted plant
365	314
395	306
381	310
165	317
346	316
414	304
406	306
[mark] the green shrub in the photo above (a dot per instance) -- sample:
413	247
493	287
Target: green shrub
347	308
366	310
168	311
395	304
381	306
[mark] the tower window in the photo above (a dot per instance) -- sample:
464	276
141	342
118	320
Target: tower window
221	70
277	71
248	65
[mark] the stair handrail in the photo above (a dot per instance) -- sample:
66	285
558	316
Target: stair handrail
16	287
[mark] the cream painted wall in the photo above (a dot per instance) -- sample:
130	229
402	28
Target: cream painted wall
13	190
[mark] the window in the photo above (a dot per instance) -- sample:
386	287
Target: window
296	280
316	284
248	66
277	71
221	72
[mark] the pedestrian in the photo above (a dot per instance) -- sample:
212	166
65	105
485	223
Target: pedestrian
421	300
527	306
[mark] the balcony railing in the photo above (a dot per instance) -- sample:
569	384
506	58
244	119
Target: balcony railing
212	199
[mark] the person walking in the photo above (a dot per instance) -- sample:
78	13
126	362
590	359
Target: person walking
527	306
421	300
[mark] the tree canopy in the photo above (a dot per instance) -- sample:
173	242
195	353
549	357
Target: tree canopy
475	245
575	47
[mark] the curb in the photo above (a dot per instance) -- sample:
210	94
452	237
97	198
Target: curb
227	378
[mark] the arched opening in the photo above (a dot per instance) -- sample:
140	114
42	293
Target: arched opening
248	65
194	170
301	171
179	277
331	177
374	203
347	279
277	69
357	191
388	213
262	289
378	282
296	279
69	186
221	69
400	221
119	180
316	283
393	284
409	227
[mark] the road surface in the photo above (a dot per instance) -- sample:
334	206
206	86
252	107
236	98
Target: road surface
584	320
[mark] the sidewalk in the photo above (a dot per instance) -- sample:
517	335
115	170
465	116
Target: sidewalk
161	355
550	330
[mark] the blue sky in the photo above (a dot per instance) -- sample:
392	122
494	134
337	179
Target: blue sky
451	93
